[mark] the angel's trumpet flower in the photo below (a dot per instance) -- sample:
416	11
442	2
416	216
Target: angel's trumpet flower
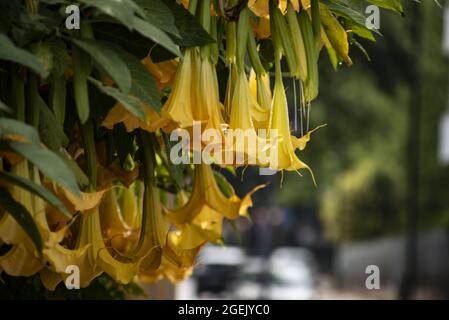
115	230
119	114
200	219
163	72
177	264
261	7
284	148
208	108
244	108
178	107
260	89
90	254
22	259
154	230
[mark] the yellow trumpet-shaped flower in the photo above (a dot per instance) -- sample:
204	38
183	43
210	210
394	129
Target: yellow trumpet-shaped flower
244	110
178	107
22	259
261	7
260	89
91	253
195	94
177	264
200	219
206	97
117	233
154	230
119	114
163	72
284	148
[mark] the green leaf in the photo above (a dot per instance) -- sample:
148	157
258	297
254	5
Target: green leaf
143	84
49	163
132	42
132	104
50	130
9	52
363	32
159	15
223	184
192	34
22	216
160	37
342	8
79	174
122	10
394	5
36	189
61	58
11	127
5	108
108	60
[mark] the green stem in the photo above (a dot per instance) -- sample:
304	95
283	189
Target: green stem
193	4
18	94
148	161
33	102
205	20
147	157
87	132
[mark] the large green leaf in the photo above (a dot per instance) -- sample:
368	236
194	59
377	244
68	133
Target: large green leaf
9	52
159	15
143	85
11	127
49	163
108	60
122	10
36	189
131	41
22	216
157	35
132	104
394	5
191	32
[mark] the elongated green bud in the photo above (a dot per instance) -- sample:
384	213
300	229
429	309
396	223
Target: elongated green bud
87	133
281	33
205	20
33	102
254	55
214	46
298	42
18	94
316	22
82	67
242	39
311	84
58	94
231	42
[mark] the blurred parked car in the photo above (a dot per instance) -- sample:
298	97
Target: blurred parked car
217	269
292	275
252	279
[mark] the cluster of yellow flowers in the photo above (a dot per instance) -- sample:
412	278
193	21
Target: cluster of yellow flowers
141	230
